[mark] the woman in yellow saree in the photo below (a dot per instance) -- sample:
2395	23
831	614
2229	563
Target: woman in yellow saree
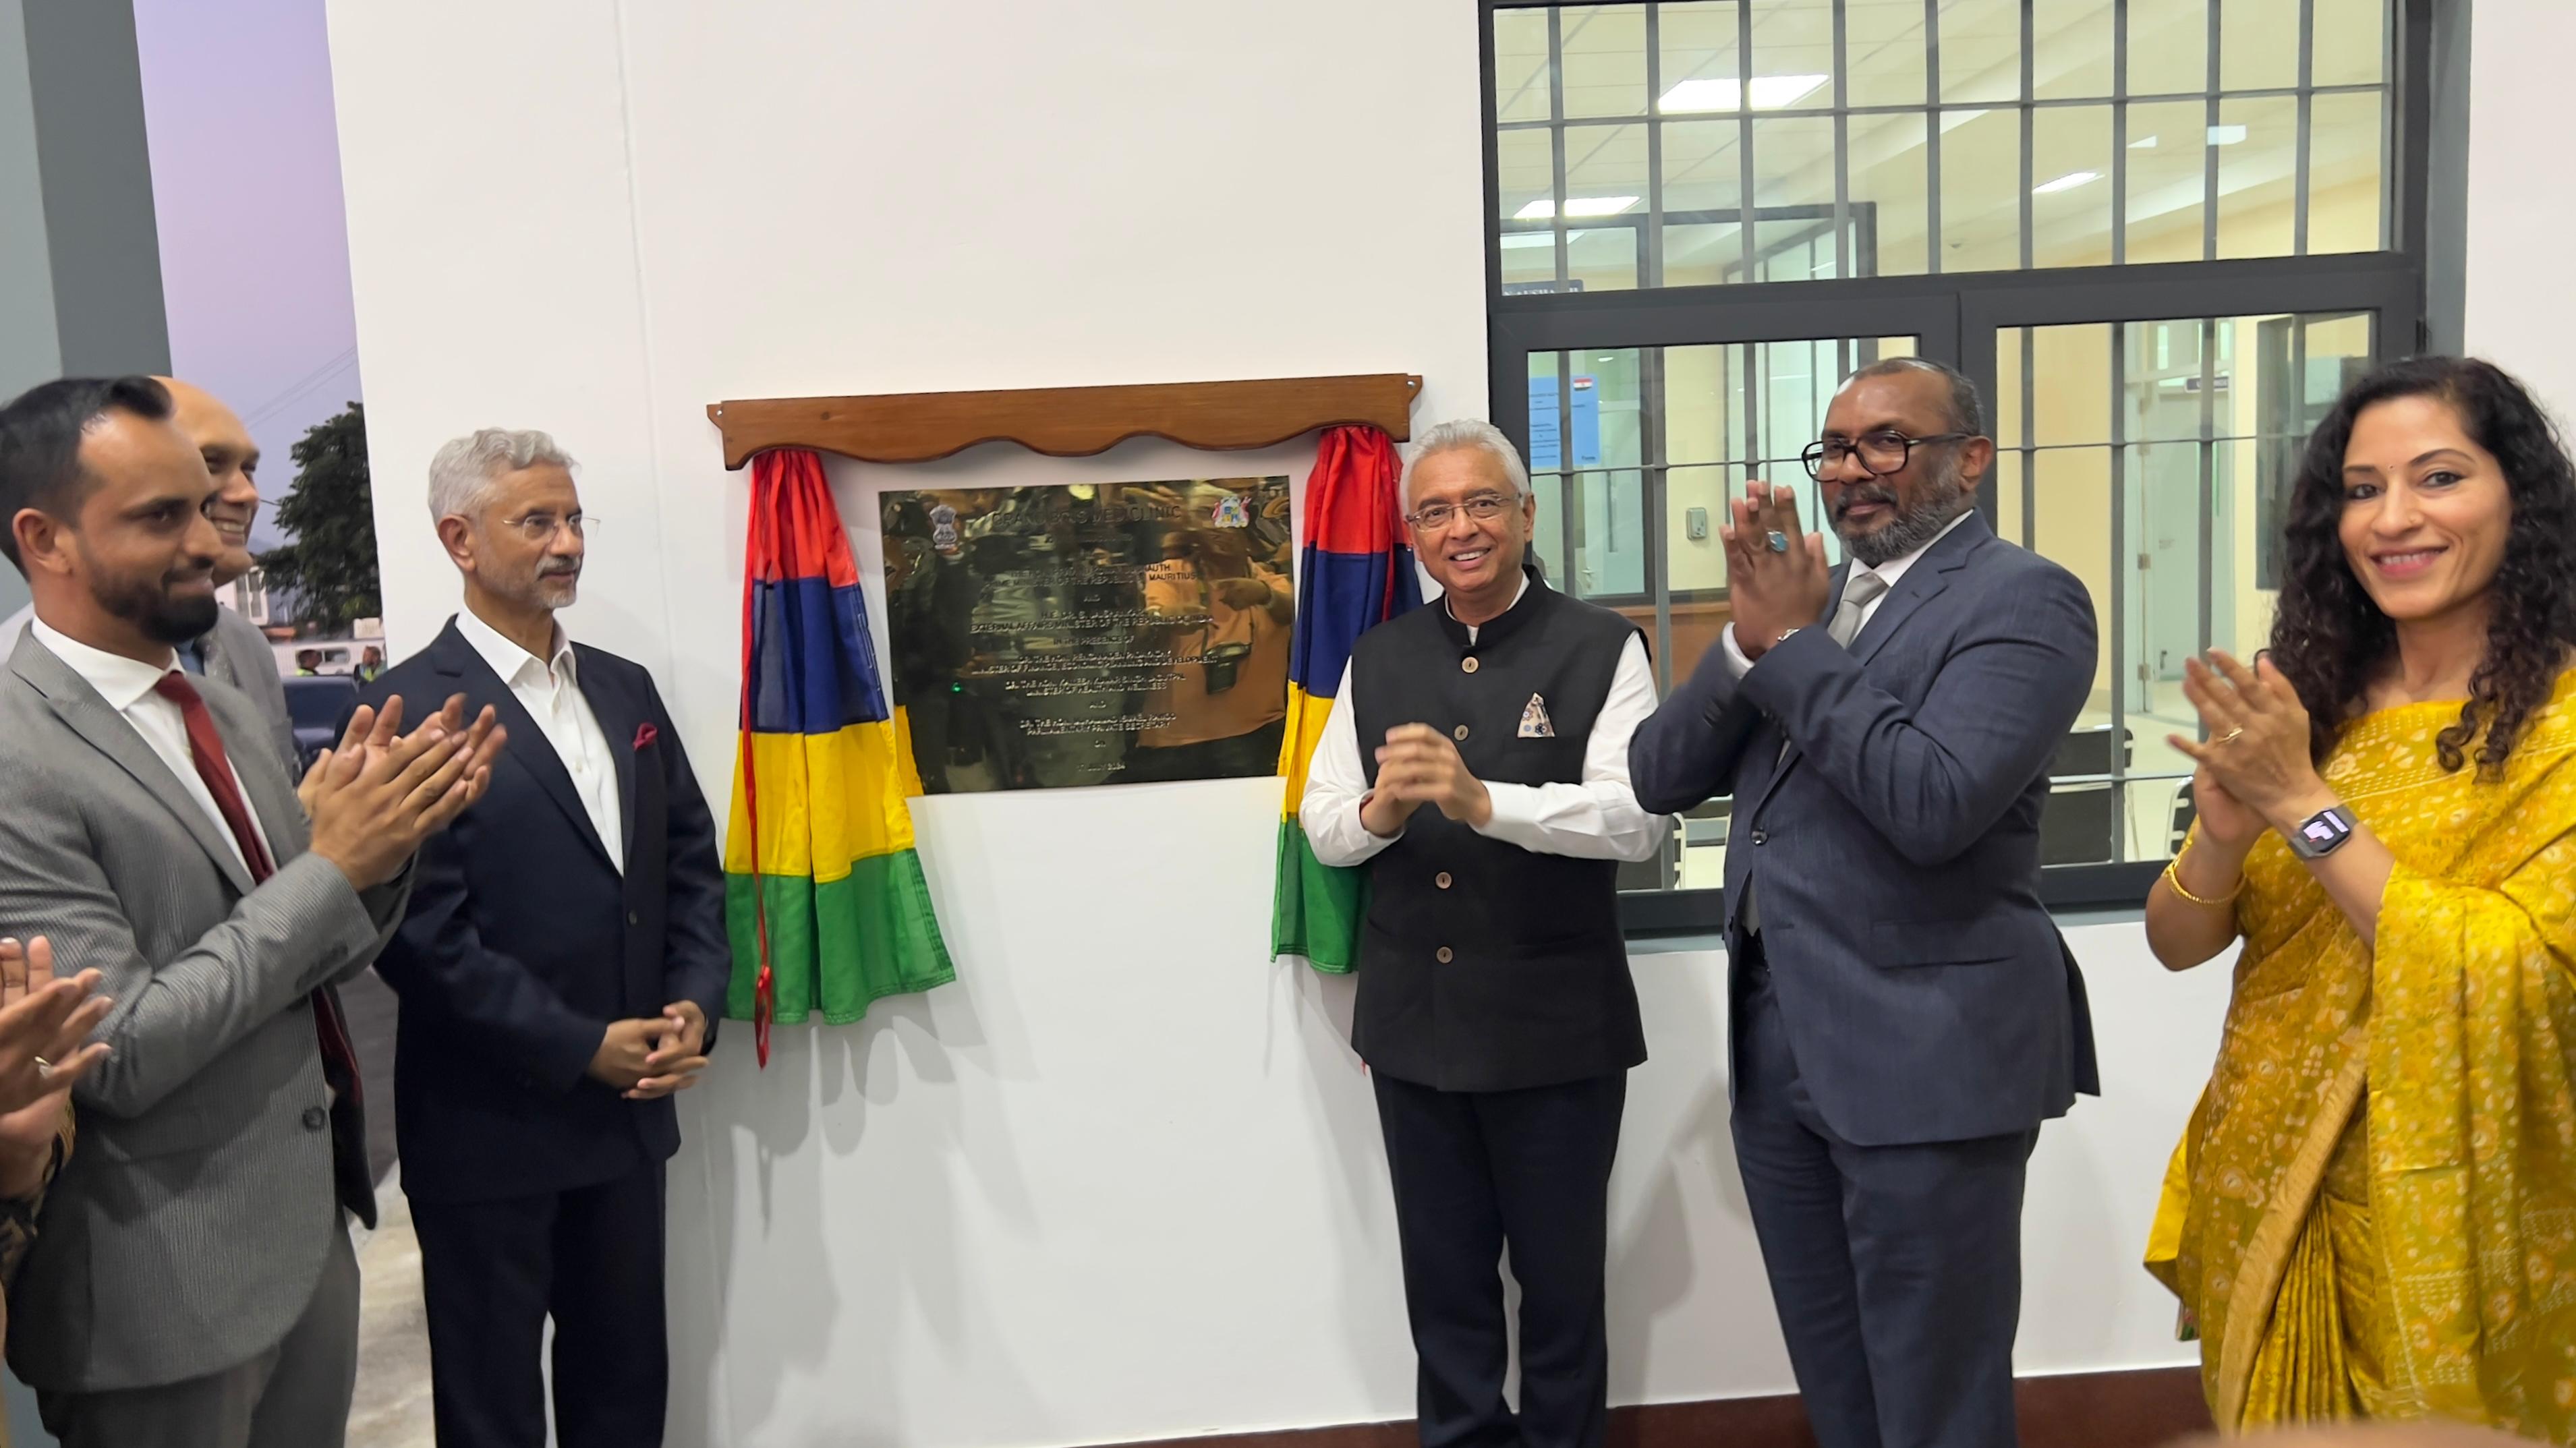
2373	1211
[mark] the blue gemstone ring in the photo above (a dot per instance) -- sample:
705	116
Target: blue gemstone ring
1778	541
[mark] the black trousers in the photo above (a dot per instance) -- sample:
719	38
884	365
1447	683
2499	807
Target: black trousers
1896	1269
1476	1171
492	1273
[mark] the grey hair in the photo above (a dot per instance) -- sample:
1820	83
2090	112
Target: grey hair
1966	407
1464	433
461	474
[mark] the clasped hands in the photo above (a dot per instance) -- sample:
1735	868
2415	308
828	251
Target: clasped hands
376	796
1418	765
1772	591
650	1057
2255	771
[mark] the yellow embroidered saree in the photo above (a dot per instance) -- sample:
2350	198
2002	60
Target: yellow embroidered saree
2373	1211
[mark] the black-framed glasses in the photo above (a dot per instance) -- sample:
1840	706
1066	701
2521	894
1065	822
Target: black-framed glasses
1880	453
1483	508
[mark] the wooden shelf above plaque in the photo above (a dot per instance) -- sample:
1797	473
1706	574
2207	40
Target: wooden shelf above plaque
915	427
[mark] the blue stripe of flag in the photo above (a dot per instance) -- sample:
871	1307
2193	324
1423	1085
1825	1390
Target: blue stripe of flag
814	668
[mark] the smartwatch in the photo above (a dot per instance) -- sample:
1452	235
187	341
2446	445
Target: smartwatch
2321	834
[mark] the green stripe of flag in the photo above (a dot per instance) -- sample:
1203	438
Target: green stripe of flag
838	946
1318	908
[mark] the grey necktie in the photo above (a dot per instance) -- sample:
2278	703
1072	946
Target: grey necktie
1860	590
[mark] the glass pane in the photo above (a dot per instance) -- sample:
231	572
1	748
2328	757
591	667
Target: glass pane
2161	373
1700	71
1980	190
1793	55
2257	143
2071	54
2258	46
2183	552
1525	173
1695	566
1980	51
1605	193
1604	50
1889	192
1522	79
1699	256
2168	47
2346	191
2351	41
1793	178
2168	147
1547	429
2070	171
1883	47
1702	166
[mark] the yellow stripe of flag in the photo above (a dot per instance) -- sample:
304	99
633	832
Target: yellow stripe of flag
821	806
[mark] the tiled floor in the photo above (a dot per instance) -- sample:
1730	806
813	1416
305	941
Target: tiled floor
392	1405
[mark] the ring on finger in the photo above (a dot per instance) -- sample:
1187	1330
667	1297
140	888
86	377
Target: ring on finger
2229	737
44	1067
1776	541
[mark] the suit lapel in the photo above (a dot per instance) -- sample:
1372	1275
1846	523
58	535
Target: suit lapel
87	715
531	749
619	721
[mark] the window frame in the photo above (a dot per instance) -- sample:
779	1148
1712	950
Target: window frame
1954	317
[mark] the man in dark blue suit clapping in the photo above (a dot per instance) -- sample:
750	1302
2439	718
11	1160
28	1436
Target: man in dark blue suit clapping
1904	1014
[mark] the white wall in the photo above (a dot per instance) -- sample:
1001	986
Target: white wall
2520	311
1124	1180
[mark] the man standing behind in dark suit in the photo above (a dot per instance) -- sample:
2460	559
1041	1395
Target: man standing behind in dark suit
1905	1014
560	971
234	650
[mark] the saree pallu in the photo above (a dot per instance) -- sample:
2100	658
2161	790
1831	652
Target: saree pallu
2373	1211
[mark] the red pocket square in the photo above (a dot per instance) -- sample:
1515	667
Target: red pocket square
645	734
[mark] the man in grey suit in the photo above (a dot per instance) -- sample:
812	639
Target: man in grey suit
1905	1014
193	1286
234	650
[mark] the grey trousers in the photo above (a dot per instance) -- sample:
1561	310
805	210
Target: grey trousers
295	1395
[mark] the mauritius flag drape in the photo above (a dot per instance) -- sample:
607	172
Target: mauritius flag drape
824	896
1357	571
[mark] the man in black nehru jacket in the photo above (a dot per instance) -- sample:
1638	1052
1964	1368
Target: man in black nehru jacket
1491	806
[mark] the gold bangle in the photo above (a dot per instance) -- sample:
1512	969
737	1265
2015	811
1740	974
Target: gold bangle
2173	877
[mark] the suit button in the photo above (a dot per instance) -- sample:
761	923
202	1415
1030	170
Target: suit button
1442	955
1467	665
1760	838
1441	880
1459	733
632	918
315	1118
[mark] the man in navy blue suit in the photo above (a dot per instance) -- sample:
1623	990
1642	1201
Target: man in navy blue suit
561	971
1904	1013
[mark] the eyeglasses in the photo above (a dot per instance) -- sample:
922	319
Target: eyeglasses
1482	508
1880	453
542	527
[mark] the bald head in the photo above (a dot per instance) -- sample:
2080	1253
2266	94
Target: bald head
232	458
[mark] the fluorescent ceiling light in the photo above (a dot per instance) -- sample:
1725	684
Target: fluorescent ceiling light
1726	93
2067	182
1544	208
1523	240
2226	135
2148	144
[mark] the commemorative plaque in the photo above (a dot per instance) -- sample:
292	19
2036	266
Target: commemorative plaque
1091	634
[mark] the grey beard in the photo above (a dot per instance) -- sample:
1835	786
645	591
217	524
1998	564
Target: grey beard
1945	500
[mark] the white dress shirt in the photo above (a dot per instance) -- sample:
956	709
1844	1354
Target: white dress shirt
551	693
1890	572
127	685
1598	819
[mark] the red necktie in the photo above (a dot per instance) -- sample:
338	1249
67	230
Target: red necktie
206	750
